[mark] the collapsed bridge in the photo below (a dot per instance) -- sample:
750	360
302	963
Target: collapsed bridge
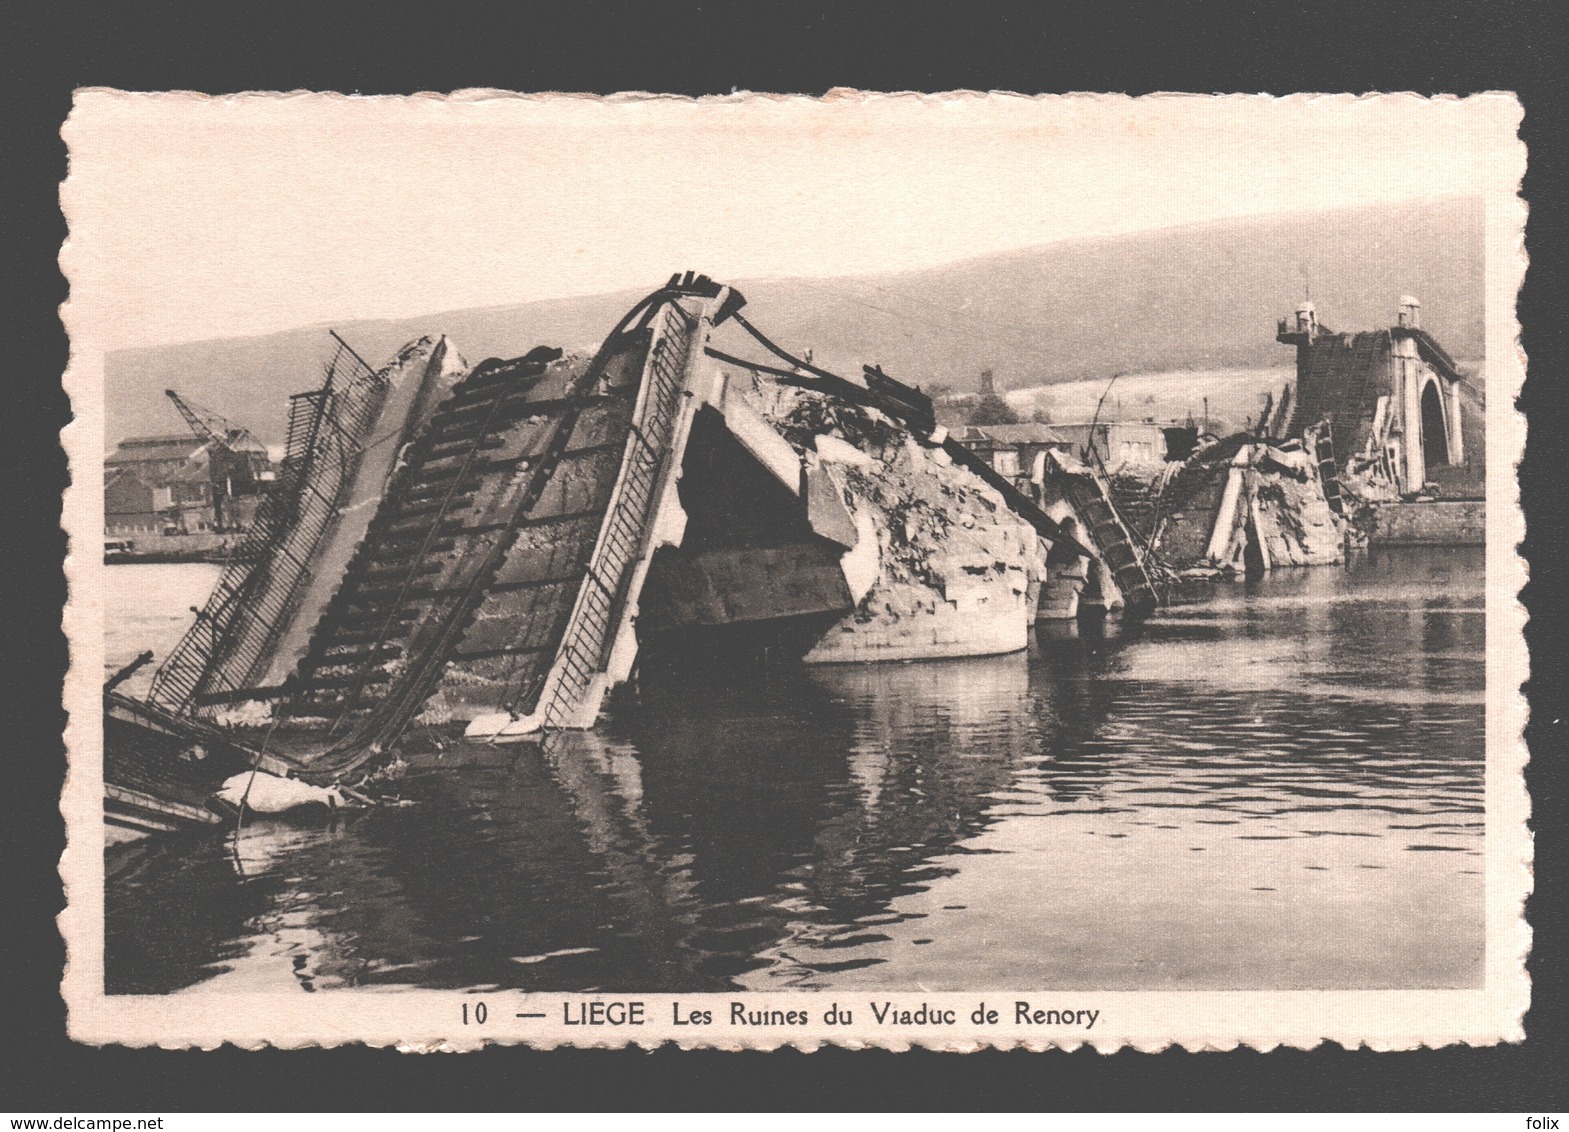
498	546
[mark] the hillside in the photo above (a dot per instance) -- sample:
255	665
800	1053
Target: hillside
1203	297
1232	397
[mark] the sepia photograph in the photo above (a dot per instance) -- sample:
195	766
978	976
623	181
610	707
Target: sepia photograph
956	570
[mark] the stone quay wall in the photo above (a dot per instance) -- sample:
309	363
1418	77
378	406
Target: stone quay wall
1430	523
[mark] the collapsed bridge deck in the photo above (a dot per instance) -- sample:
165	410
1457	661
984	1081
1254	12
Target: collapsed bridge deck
476	545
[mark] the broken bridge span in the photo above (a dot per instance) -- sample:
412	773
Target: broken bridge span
495	546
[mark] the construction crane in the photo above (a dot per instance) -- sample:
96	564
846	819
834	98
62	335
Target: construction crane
233	446
208	425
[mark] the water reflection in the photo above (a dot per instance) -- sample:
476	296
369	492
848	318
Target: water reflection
1278	786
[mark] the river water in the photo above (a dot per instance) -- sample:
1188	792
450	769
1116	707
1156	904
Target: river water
1278	786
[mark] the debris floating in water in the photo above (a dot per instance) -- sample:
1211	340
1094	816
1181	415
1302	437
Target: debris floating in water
269	794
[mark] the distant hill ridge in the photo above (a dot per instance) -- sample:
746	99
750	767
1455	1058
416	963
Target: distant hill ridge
1204	296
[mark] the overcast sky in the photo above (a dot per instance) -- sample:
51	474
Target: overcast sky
198	218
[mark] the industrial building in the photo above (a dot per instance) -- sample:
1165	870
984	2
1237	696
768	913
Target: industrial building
205	482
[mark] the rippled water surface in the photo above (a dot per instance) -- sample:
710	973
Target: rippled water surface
1278	786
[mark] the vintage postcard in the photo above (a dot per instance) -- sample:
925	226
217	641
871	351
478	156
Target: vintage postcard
953	570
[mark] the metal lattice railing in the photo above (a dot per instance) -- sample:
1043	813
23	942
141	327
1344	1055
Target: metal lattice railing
234	633
588	635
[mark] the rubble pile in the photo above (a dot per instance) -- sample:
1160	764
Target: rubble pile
955	568
1295	525
1185	503
1236	505
1135	490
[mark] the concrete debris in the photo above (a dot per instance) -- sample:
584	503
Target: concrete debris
268	794
1237	506
832	450
954	567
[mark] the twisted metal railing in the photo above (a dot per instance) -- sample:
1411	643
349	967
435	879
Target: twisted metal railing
589	632
233	635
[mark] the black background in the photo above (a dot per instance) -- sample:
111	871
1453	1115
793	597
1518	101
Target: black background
700	49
